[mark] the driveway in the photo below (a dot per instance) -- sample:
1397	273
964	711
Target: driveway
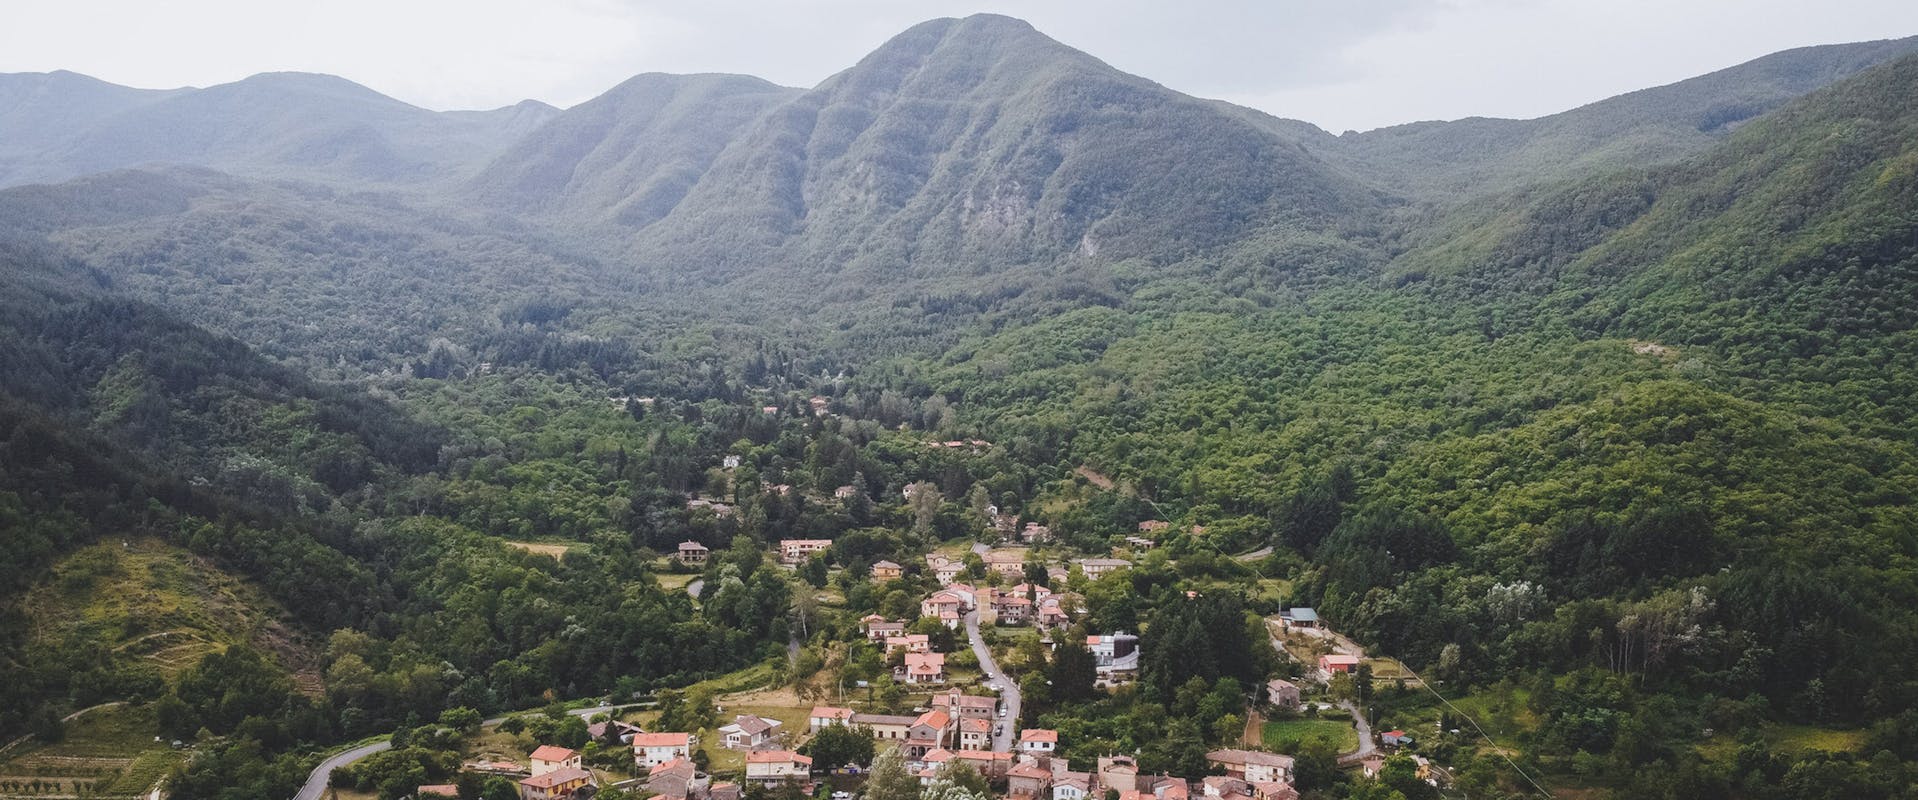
1008	691
316	783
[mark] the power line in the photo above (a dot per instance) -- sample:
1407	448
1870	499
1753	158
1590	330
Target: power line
1481	731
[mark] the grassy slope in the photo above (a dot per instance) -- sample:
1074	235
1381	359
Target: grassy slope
151	602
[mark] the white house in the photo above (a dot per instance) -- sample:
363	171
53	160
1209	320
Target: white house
653	749
748	732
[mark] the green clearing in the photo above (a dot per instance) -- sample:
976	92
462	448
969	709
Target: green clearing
1285	734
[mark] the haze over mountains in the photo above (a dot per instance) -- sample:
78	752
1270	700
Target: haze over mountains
962	146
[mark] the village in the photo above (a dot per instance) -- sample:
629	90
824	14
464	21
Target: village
960	712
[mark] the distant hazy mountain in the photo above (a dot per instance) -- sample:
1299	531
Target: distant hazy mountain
1662	124
627	156
279	124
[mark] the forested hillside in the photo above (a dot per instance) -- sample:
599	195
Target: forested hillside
1600	423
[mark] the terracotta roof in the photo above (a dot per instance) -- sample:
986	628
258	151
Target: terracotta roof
829	712
1039	735
1258	757
1029	771
975	724
934	719
675	765
557	777
547	752
673	739
777	757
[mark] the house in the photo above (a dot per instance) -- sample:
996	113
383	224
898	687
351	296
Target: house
911	643
1028	781
930	731
1069	785
1030	591
1012	609
882	630
1096	568
1114	652
729	462
1372	763
1010	562
1225	788
613	732
1301	617
965	706
677	779
942	602
844	493
886	571
1118	773
1153	526
767	767
1140	543
1253	766
990	764
560	784
945	570
924	668
823	717
748	732
1052	613
446	790
1332	663
547	758
1395	739
1038	741
1034	533
770	411
794	551
1282	694
975	734
723	791
691	552
966	593
653	749
884	727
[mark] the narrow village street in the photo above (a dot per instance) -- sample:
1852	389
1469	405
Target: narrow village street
1005	727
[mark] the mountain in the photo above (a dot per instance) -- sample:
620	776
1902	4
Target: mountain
1441	160
1793	242
628	156
316	127
40	111
979	143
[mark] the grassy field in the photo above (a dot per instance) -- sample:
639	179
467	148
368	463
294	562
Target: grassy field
111	753
1281	734
1789	739
554	549
674	583
162	605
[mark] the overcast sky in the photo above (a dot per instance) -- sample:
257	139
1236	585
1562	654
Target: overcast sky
1342	64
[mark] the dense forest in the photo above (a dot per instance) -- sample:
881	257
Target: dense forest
1622	442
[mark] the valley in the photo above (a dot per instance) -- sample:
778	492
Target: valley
983	421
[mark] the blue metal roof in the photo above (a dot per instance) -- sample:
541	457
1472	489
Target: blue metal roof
1303	615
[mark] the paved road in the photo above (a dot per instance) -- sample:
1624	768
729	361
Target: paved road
1344	645
695	586
1008	691
316	783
